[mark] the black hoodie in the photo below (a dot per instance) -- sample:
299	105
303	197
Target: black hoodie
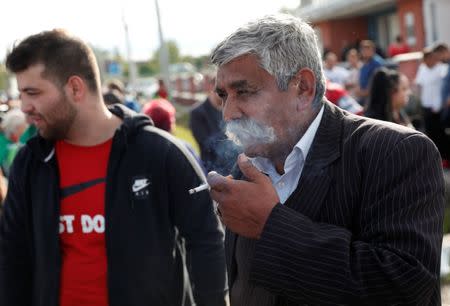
146	233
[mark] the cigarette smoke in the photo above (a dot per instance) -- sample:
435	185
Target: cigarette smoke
247	132
222	154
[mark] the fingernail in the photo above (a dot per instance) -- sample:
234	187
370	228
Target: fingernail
243	158
212	173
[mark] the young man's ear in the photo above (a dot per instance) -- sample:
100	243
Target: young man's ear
76	88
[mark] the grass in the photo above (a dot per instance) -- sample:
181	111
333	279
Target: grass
186	134
182	129
445	279
447	220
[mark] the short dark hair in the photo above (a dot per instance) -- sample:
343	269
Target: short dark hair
427	52
367	44
61	54
440	47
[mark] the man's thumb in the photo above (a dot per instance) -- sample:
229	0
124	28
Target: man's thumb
247	168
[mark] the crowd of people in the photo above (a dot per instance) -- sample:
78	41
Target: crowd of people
308	203
384	93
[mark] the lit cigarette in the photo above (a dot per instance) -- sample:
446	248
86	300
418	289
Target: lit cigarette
204	186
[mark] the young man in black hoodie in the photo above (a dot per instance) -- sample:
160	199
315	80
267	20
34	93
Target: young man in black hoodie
98	210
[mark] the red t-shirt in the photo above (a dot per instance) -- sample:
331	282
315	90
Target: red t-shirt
82	224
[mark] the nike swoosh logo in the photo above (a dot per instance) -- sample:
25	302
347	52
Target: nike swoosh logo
70	190
139	187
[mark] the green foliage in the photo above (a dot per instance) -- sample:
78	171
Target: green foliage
146	70
3	77
174	56
199	61
152	66
174	52
445	279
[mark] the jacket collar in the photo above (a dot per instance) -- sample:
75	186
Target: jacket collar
327	143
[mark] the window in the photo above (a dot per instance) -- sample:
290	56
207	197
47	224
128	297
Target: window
410	30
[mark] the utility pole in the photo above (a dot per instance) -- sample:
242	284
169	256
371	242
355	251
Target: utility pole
132	71
163	54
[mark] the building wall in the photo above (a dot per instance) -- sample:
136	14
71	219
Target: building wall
415	20
337	34
437	21
414	7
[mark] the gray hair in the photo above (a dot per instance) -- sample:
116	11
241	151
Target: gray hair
284	44
11	121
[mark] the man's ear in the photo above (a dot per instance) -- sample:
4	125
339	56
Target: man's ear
76	88
305	81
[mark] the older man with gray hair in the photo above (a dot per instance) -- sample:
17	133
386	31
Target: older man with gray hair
328	208
13	125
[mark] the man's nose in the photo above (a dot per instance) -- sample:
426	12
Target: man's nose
230	110
26	106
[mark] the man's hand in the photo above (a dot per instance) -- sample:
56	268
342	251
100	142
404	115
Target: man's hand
244	206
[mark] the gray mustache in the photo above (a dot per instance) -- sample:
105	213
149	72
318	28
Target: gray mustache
248	132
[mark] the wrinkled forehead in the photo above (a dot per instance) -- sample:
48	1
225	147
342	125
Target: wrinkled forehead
241	71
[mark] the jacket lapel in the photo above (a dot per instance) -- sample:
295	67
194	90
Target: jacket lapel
315	179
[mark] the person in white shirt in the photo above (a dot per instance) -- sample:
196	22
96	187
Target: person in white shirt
354	65
332	71
429	80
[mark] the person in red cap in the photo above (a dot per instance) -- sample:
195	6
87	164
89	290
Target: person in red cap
162	113
337	94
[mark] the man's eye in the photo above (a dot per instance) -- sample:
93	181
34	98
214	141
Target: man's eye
242	92
246	92
222	95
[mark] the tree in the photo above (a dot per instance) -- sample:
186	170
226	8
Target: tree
3	77
174	56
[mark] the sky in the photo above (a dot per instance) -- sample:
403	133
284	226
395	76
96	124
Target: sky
196	25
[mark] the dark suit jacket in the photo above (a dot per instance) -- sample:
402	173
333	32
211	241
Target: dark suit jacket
364	226
205	121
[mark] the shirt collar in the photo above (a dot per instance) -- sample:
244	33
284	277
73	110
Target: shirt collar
304	144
